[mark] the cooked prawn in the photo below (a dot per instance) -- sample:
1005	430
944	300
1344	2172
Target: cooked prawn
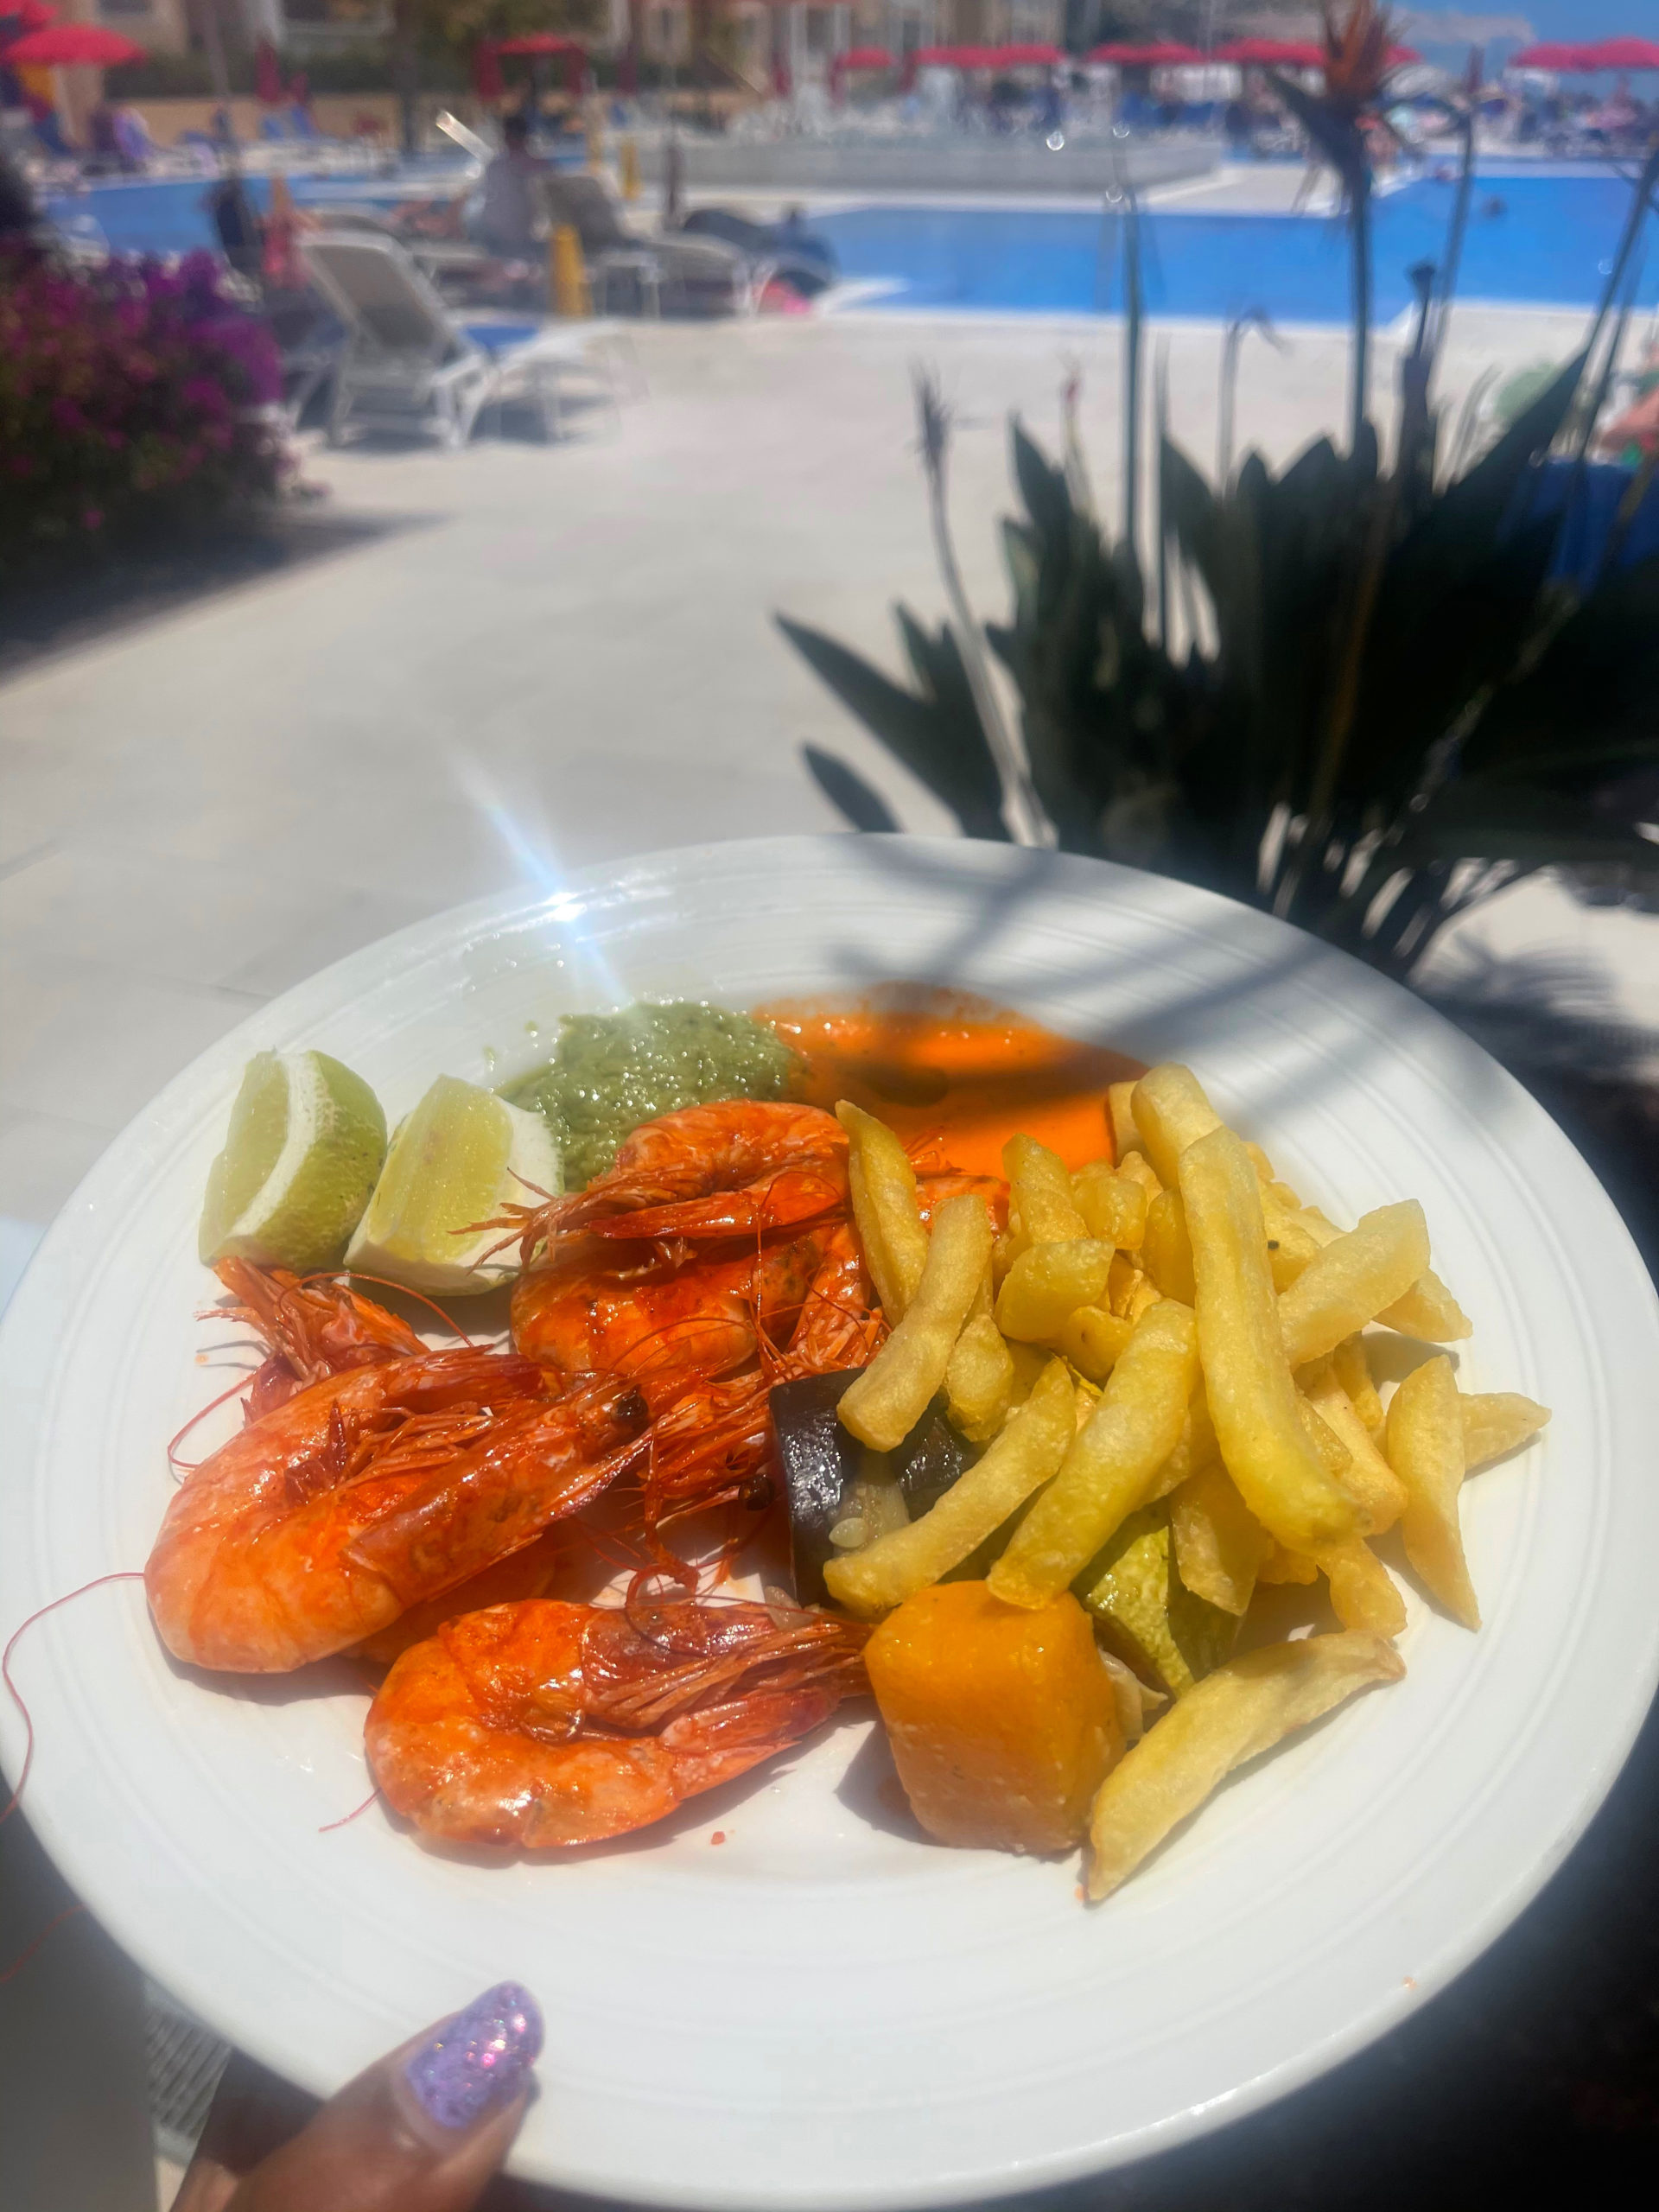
715	1445
526	1573
370	1491
545	1724
311	1326
743	1168
665	1325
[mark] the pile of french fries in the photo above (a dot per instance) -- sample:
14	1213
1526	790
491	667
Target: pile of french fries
1174	1330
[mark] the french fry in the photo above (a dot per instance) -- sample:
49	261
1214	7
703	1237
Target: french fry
1362	1592
1353	1371
1124	1280
1136	1165
1171	1112
1494	1422
882	1184
1114	1206
1291	1243
1195	1450
1094	1341
1139	1294
1040	1193
1368	1478
1265	1444
1167	1250
1282	1565
1023	1458
979	1379
1424	1448
1132	1697
1350	1281
1334	1455
889	1399
1112	1465
1120	1112
1086	1393
1220	1546
1235	1714
1429	1310
1029	1361
1047	1284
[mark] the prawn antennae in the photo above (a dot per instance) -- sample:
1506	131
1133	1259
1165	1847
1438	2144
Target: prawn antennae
181	1468
122	1574
346	1819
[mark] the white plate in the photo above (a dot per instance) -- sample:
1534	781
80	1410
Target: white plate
824	2011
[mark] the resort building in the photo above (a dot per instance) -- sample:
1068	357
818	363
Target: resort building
748	34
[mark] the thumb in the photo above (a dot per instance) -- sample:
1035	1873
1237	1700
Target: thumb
422	2130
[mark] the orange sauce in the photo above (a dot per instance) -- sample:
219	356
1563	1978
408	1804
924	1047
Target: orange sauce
942	1064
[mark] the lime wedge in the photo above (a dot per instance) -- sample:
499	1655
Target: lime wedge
306	1141
454	1161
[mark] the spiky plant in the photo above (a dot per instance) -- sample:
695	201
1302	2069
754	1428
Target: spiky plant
1404	708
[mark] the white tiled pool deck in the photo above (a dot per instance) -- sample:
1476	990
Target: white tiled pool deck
547	657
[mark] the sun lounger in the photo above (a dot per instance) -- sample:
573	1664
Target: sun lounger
409	367
699	274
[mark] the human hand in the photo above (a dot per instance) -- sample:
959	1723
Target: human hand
422	2130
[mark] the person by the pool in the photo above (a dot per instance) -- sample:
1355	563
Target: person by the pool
514	214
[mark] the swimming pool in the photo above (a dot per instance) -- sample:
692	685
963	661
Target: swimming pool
1545	241
169	214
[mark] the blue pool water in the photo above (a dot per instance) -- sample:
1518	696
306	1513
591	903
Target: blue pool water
169	214
1549	242
1550	245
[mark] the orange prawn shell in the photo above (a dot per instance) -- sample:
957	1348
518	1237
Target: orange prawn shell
448	1759
544	1725
317	1525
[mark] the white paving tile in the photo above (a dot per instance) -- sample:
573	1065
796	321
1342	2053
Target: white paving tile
197	924
91	1039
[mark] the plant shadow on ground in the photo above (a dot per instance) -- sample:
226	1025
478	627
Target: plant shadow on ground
64	611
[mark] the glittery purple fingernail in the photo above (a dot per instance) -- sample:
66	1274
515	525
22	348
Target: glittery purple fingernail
480	2059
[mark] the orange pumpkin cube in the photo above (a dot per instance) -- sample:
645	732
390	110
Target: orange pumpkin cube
1002	1718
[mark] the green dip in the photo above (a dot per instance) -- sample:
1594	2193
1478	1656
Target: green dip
612	1072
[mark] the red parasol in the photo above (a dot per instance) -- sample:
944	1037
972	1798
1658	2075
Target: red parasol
1158	53
1563	60
1624	53
953	57
487	80
1273	53
68	46
863	57
24	16
537	43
